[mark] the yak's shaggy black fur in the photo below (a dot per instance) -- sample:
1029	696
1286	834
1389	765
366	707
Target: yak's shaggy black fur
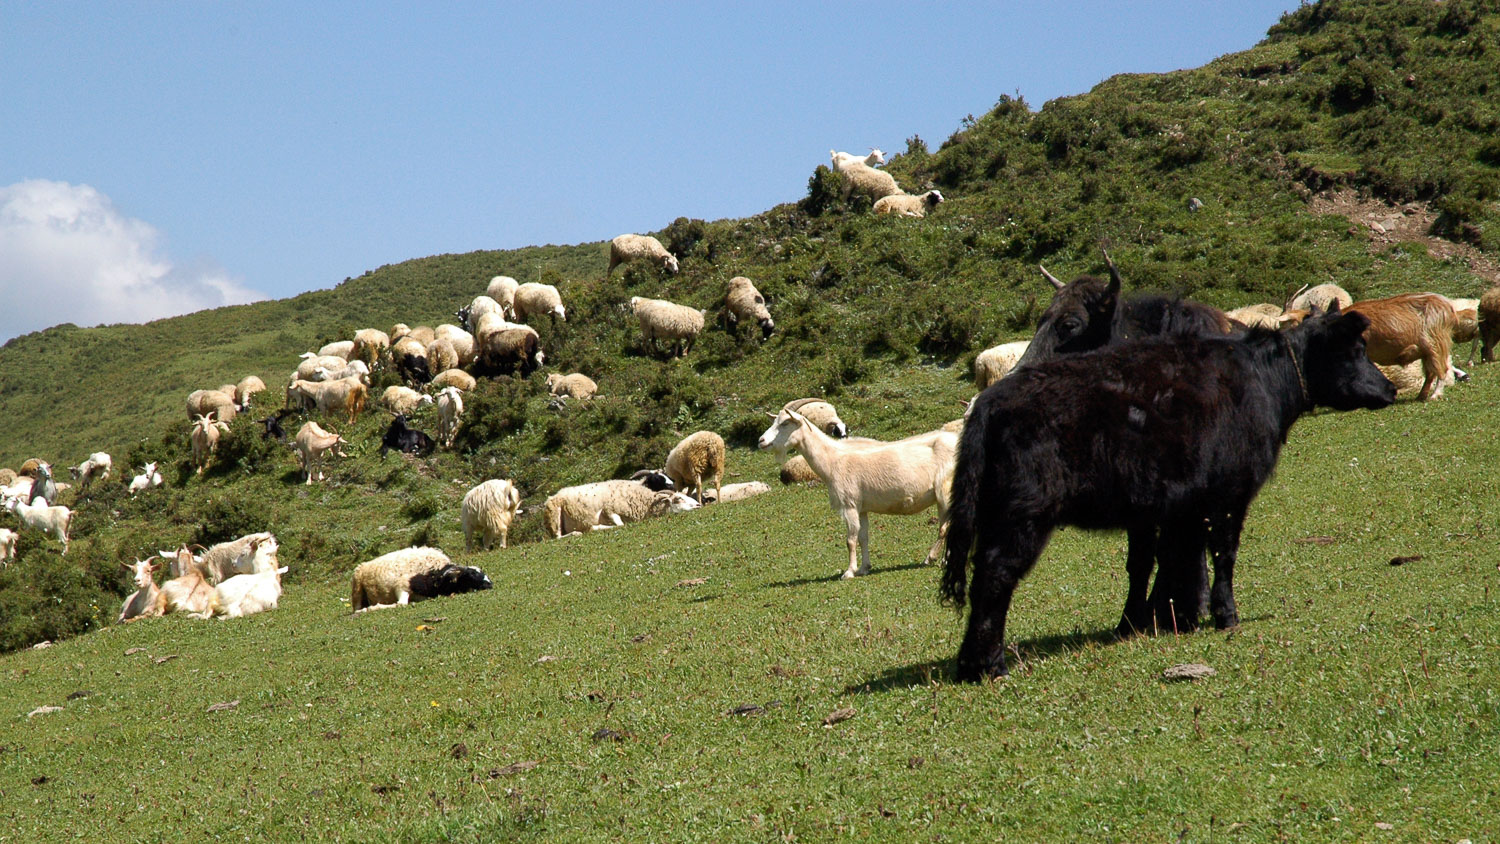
1168	435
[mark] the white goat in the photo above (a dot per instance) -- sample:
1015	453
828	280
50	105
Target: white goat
842	160
246	594
148	478
8	539
900	478
450	405
51	520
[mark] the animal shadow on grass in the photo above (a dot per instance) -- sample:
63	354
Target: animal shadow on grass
1022	656
806	581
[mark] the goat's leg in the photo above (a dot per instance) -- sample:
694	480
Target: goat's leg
1139	561
864	544
852	522
1434	373
935	553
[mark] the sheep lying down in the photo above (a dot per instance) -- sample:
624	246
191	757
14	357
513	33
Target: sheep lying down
411	574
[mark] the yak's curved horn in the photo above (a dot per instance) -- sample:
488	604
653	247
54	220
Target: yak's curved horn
1050	277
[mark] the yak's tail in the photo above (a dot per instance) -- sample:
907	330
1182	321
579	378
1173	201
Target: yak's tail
968	476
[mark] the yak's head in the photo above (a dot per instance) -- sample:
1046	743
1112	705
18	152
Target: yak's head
1079	318
1329	353
449	580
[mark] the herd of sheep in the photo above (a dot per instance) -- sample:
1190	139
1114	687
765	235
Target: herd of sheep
1411	337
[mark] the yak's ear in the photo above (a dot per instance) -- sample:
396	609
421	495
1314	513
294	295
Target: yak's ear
1350	324
1335	307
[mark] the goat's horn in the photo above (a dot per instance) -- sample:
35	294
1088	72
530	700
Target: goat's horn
1050	277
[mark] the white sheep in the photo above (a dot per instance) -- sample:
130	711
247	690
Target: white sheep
461	340
253	553
52	520
408	346
533	298
844	160
423	334
822	414
354	369
95	468
996	362
898	478
867	181
693	461
311	444
247	387
370	345
574	385
454	378
450	407
247	594
518	347
485	304
487	512
796	471
338	348
204	438
311	362
743	301
398	331
410	574
441	355
908	205
145	601
631	247
1264	315
399	400
738	492
8	540
502	289
214	403
663	320
1321	297
149	477
605	504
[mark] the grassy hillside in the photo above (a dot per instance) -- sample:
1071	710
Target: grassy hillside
1354	695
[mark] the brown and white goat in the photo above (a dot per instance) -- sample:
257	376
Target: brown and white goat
1410	327
188	591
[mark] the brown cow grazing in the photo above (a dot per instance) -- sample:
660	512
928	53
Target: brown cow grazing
1409	327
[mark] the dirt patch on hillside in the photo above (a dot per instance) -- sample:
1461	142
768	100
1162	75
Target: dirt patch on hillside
1385	223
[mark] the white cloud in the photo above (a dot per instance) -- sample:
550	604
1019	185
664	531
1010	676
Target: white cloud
68	255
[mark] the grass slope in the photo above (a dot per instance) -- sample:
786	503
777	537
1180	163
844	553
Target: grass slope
1356	693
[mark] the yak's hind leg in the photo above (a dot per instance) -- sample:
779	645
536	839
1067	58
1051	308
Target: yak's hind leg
1224	541
1139	561
1181	575
999	564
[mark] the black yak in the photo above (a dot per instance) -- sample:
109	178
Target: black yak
1171	435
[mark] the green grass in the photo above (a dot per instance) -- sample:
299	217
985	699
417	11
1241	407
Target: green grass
1355	693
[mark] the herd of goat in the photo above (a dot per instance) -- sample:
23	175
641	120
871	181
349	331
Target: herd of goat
1159	416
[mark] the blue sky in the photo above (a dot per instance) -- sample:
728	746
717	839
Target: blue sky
157	158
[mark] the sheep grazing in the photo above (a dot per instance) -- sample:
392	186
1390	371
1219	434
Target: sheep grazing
908	205
188	592
354	369
575	385
8	540
28	469
481	305
311	444
1410	379
502	289
738	492
248	386
606	504
204	437
533	298
401	400
663	320
398	331
487	513
404	439
1489	323
743	301
821	414
408	346
899	478
312	362
632	247
844	160
461	340
220	405
454	378
338	348
370	345
411	574
694	460
867	181
229	390
450	406
344	395
144	602
1409	327
148	478
53	520
996	362
253	553
441	355
423	334
1321	297
7	476
512	350
247	594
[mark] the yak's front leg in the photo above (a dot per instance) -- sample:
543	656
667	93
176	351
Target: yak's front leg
1140	559
1180	574
1224	541
998	567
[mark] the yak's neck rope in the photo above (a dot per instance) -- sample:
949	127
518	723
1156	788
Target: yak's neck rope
1301	382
